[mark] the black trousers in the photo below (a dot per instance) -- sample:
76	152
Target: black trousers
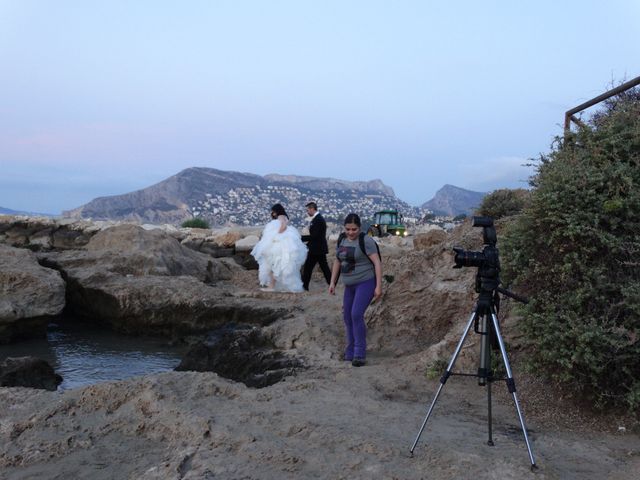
310	263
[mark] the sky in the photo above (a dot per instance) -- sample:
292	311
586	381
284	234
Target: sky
106	97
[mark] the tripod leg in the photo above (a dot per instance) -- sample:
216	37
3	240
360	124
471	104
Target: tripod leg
485	374
490	441
444	378
511	384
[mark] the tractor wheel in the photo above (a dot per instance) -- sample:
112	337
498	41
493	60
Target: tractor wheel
373	231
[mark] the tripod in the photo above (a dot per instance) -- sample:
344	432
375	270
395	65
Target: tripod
485	319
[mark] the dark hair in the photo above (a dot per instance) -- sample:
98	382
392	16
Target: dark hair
353	218
313	205
279	210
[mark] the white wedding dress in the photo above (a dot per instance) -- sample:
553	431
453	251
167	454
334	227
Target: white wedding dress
280	255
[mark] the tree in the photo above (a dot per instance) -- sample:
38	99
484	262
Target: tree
504	202
195	223
575	251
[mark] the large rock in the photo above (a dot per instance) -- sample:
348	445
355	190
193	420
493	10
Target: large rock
146	282
131	250
208	246
16	230
29	294
40	233
28	372
164	306
247	243
427	299
243	249
227	239
422	241
220	243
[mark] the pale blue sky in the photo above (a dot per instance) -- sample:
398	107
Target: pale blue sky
105	97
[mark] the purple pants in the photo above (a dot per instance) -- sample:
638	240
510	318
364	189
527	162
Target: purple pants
356	300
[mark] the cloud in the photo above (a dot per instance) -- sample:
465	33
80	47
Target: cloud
494	173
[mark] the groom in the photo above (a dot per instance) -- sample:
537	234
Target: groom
317	243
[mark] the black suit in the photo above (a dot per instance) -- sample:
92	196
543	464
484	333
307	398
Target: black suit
318	249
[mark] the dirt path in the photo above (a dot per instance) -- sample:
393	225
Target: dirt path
329	421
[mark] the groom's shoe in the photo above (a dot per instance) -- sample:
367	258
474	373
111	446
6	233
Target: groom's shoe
358	362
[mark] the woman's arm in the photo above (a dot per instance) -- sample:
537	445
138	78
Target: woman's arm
283	223
377	266
335	270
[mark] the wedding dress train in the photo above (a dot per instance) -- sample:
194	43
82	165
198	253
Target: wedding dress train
280	255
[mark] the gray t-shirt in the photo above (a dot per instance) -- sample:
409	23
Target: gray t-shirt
355	267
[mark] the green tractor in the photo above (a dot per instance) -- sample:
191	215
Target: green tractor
387	222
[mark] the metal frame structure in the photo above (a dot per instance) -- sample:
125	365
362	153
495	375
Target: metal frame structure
569	115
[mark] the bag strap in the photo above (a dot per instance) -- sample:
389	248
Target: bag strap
364	250
341	237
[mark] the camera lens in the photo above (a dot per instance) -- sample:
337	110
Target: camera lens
468	258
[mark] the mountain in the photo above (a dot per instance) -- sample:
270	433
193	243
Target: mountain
168	201
315	183
241	198
452	201
8	211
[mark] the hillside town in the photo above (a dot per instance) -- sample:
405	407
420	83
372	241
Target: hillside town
250	205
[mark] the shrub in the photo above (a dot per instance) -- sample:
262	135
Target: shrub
504	202
195	223
436	368
575	250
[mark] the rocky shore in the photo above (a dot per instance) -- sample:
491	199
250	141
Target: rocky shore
298	411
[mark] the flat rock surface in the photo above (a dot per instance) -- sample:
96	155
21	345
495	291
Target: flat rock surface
330	420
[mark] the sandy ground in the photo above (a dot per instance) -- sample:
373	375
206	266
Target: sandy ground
329	421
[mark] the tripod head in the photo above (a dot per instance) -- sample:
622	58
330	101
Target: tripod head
487	285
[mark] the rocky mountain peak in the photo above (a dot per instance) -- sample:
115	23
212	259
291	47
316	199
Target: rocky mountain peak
223	197
318	183
451	200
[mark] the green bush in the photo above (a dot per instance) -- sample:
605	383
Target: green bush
436	368
195	223
504	202
575	252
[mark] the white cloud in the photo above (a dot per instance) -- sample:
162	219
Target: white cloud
494	173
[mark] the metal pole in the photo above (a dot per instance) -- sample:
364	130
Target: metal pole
614	91
512	386
489	419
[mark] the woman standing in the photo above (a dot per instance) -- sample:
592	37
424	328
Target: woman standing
280	254
361	273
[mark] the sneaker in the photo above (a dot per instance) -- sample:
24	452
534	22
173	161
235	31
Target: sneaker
358	362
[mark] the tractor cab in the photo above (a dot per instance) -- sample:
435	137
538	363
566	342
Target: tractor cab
387	222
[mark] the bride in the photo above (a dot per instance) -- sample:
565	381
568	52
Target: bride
280	254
